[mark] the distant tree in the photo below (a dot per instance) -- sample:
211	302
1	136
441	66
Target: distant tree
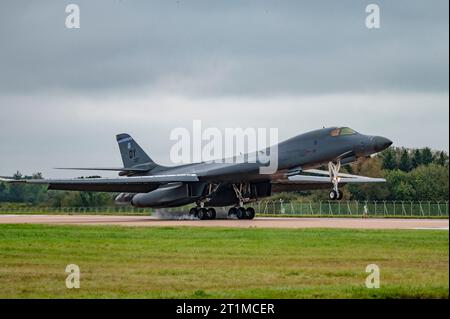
399	185
405	161
286	196
348	169
404	191
37	175
17	175
430	182
36	193
16	191
83	199
423	183
3	192
389	159
441	159
24	193
416	158
427	156
368	167
56	198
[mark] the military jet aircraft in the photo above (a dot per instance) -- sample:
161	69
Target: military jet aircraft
143	183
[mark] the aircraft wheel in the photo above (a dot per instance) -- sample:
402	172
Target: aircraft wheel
193	211
250	213
211	213
241	213
232	212
202	213
333	195
339	195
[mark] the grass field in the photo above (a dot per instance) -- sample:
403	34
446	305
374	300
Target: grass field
121	262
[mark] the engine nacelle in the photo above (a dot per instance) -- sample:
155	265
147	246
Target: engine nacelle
173	194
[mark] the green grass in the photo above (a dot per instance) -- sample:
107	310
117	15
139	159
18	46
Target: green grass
181	262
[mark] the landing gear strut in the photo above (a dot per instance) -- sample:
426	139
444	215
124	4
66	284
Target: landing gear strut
333	169
240	211
200	211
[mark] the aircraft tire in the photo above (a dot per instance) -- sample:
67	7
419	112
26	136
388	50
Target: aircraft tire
232	212
250	213
202	214
241	214
211	213
193	211
339	195
333	195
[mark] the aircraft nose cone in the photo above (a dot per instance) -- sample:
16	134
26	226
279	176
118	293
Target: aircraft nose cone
381	143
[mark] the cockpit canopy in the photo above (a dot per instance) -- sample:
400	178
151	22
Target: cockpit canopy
342	131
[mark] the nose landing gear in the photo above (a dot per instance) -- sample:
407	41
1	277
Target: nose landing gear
333	195
333	169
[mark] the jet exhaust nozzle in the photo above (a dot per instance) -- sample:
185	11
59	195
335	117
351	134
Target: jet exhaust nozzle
124	198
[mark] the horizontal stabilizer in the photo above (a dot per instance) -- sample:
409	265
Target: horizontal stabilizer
116	169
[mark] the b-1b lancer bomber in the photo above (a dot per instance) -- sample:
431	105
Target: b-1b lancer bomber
143	183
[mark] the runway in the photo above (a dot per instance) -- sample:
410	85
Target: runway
261	222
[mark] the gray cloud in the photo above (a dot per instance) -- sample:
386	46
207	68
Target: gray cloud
225	47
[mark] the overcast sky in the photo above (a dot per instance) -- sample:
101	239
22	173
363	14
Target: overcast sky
147	67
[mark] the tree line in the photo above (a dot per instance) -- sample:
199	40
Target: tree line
411	175
39	195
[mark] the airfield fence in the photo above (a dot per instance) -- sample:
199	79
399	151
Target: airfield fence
356	208
297	208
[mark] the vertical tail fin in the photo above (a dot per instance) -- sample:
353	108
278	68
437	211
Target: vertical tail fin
132	154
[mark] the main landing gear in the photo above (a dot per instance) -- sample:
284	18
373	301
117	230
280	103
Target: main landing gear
333	169
241	212
234	212
203	213
200	211
243	195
